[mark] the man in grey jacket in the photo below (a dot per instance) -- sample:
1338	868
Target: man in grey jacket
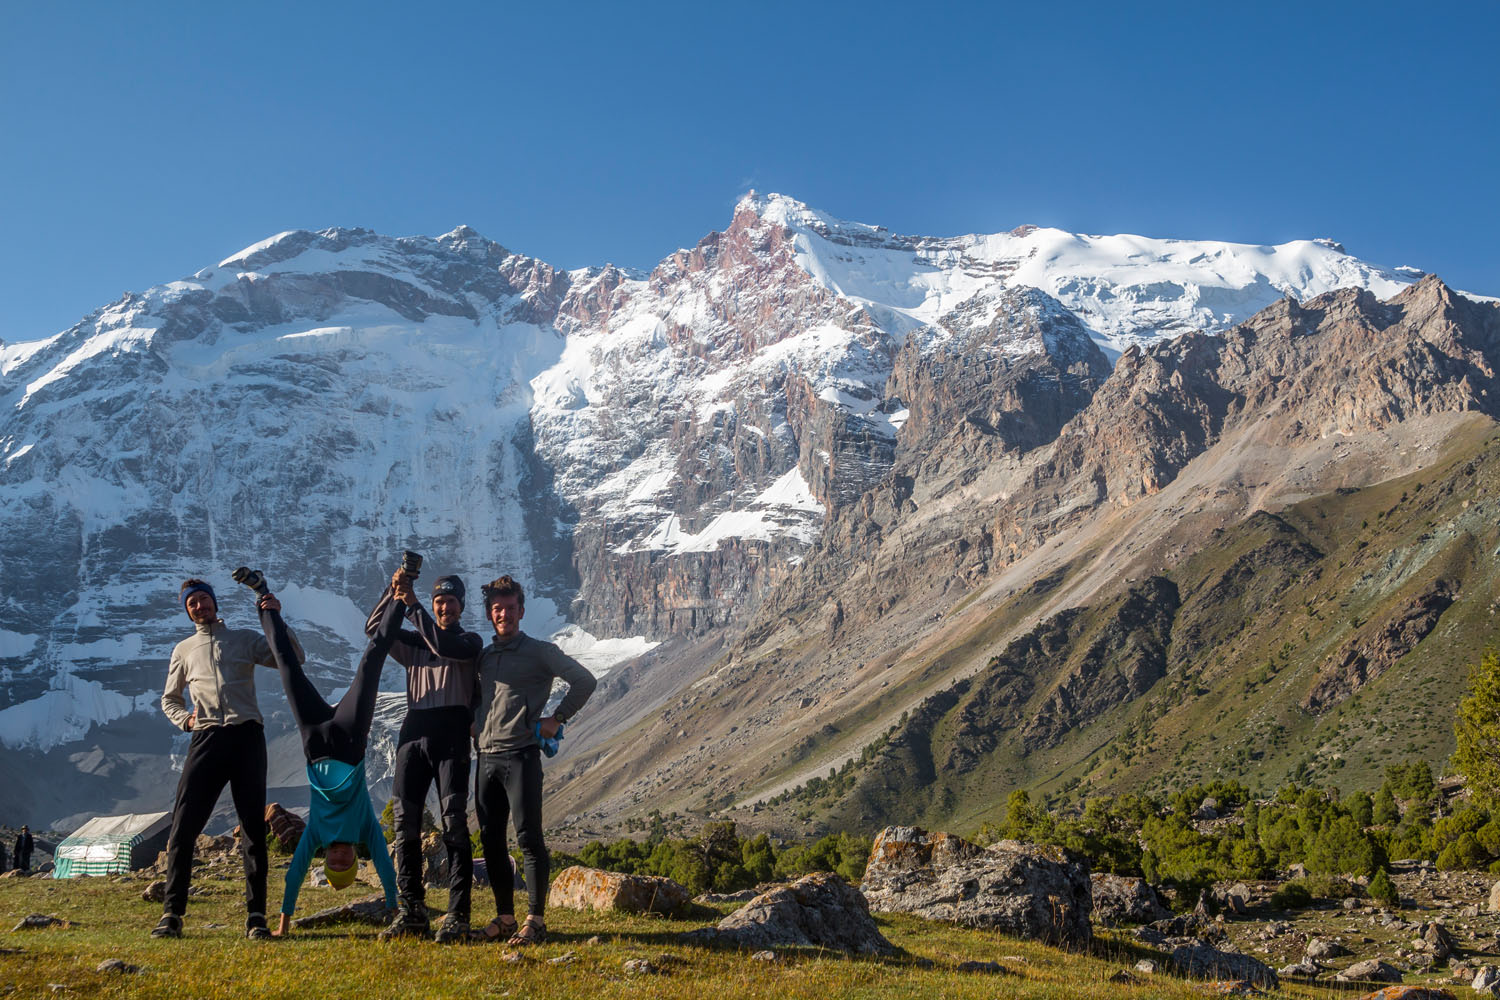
217	667
515	682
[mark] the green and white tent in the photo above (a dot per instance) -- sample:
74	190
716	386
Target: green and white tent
108	844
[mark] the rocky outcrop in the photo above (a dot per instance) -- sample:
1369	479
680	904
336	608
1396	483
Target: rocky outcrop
1378	646
816	911
1371	970
1024	890
1200	960
580	888
1122	899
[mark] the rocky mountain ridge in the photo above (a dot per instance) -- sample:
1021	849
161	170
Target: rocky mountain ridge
655	454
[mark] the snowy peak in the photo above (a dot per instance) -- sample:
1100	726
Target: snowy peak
1125	288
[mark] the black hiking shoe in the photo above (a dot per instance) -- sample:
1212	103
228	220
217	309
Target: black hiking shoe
256	929
408	923
169	926
252	578
452	930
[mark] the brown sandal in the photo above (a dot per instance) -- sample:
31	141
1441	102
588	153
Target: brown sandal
504	930
529	934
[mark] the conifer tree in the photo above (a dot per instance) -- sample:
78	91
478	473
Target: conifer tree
1477	729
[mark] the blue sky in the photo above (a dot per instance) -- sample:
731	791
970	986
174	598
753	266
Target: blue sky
144	141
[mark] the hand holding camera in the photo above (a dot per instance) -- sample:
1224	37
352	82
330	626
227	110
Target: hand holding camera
411	567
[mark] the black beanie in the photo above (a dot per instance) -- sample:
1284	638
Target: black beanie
450	585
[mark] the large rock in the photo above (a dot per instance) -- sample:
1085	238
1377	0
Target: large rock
370	910
1121	899
1022	889
580	888
1370	971
1203	961
285	825
819	910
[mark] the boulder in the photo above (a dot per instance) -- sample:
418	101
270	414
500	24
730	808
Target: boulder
1319	949
1200	960
1370	971
580	888
1020	889
819	910
370	910
1495	898
1305	969
285	825
434	860
208	846
1437	941
1408	993
1120	899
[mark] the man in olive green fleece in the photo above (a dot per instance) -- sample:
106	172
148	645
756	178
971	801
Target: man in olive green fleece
217	667
515	682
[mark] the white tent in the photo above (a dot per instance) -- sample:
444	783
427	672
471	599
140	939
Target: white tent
108	844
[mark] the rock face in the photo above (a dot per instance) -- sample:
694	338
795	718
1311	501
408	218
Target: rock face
1023	890
819	910
1121	899
580	888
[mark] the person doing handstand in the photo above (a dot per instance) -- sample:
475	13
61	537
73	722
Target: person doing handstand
334	738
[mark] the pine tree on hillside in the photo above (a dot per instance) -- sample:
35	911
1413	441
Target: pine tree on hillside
1477	728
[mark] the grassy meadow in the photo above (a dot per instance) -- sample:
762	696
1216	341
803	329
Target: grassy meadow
585	957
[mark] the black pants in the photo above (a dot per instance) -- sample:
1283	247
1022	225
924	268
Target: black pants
433	747
338	732
509	787
218	756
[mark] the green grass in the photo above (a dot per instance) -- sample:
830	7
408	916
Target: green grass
217	961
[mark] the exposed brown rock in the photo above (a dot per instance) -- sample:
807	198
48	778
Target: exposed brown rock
581	888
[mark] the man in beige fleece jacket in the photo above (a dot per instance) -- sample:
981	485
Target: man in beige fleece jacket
217	667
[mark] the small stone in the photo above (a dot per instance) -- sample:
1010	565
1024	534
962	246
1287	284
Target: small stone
639	967
567	958
990	968
1147	966
512	956
1123	978
763	956
156	892
594	941
37	921
115	965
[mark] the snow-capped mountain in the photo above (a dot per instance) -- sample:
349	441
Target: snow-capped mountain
650	453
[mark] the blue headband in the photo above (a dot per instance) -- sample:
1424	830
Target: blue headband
196	588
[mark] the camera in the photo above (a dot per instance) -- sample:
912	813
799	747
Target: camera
411	564
252	578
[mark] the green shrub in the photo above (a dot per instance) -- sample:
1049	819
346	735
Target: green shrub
1383	890
1292	896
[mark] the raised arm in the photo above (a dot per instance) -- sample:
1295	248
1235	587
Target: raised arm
452	644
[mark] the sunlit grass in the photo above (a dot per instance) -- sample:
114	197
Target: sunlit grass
214	959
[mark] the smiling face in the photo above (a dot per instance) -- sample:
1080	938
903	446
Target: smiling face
201	608
446	609
505	614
